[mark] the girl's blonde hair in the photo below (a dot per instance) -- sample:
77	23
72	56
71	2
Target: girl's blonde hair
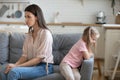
88	32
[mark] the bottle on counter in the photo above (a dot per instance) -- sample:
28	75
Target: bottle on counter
56	17
117	20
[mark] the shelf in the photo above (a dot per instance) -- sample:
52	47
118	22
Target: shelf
18	23
72	24
56	24
15	2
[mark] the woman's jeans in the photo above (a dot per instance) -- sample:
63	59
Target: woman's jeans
26	72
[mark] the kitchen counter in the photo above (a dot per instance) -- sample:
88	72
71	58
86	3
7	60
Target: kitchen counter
111	26
111	38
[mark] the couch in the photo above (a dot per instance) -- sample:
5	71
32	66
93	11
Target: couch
11	49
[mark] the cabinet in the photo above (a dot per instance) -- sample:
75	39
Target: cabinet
112	35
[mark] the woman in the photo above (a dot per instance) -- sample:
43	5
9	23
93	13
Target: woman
81	50
37	58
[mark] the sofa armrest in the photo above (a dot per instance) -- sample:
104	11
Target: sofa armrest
86	69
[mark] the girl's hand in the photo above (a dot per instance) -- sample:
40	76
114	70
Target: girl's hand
9	67
87	55
91	54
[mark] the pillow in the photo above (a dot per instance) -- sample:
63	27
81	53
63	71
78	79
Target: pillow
16	44
4	50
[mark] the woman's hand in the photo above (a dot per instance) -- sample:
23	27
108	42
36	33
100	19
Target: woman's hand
9	67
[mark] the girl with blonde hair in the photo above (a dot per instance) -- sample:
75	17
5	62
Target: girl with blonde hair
80	51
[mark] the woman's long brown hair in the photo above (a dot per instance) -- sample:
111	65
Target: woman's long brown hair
37	11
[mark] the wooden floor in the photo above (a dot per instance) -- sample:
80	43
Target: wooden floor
96	75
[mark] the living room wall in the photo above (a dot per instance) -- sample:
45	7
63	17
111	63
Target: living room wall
75	11
71	11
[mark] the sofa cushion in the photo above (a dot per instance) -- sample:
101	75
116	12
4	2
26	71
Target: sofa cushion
16	44
62	43
56	68
4	41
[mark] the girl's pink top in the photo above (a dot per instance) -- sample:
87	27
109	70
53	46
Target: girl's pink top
75	56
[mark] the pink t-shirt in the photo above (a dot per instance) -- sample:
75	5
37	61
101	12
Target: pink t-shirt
75	57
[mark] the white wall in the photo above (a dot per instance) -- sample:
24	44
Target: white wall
70	10
74	11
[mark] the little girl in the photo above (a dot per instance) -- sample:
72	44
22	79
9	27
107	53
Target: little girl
80	51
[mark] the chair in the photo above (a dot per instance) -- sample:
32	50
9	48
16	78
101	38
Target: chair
87	67
97	67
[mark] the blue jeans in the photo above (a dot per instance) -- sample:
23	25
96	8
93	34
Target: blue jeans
26	72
